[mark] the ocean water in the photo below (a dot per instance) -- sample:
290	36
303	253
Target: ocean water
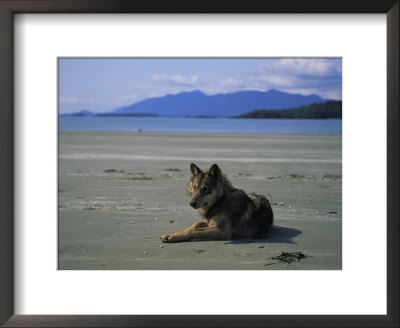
199	125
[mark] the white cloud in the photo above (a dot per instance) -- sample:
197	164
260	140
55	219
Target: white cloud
78	101
177	80
259	79
231	83
303	67
127	99
155	95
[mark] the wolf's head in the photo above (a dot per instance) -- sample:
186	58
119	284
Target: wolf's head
205	186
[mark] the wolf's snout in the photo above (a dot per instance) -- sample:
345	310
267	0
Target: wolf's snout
193	204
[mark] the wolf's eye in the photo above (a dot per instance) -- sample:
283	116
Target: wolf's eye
206	189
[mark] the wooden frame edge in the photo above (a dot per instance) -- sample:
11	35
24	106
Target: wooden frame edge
8	8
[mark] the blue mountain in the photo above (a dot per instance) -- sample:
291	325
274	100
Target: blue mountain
196	103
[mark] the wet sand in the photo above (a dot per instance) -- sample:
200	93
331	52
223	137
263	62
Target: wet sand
119	192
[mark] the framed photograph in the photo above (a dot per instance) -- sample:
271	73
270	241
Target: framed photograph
278	120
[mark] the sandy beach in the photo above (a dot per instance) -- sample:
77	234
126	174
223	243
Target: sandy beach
119	192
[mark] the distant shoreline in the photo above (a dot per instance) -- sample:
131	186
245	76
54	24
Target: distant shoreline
109	115
211	135
200	117
325	110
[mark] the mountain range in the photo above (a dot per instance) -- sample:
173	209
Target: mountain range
196	103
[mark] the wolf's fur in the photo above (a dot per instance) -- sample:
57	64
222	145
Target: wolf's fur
228	212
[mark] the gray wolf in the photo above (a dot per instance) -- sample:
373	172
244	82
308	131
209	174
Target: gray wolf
228	212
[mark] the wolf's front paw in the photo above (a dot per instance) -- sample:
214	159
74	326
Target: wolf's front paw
172	238
164	238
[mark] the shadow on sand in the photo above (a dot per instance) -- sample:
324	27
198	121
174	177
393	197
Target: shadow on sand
278	234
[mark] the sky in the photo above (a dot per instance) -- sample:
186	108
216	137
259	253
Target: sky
104	84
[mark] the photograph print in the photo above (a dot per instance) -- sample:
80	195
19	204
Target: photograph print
199	163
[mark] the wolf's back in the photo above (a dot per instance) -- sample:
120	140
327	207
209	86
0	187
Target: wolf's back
263	214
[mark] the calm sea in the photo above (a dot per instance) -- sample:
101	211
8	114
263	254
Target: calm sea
200	125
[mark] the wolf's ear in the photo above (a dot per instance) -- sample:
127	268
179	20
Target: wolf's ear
194	169
215	172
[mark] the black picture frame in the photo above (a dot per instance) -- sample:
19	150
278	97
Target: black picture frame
10	7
